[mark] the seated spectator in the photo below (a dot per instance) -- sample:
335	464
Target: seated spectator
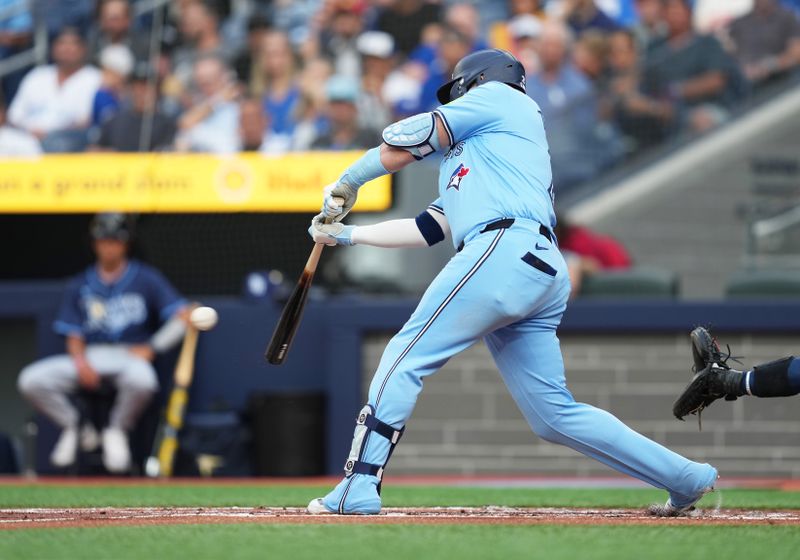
254	132
766	41
587	252
107	317
281	92
124	131
16	33
339	37
15	142
568	104
116	64
693	73
406	21
501	34
246	63
461	17
54	102
114	28
377	62
211	123
651	28
590	55
198	24
582	15
452	47
644	121
344	132
524	32
309	113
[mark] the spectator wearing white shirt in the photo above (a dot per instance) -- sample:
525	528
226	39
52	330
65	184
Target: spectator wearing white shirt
211	123
14	142
54	102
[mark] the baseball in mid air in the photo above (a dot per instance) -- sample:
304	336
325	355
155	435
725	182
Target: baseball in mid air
203	318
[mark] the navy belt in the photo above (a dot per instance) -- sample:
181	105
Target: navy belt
506	223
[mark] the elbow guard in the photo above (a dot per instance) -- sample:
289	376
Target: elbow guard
416	135
429	228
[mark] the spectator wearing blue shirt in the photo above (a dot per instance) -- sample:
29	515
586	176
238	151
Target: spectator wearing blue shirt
568	104
281	93
453	46
16	31
115	316
116	64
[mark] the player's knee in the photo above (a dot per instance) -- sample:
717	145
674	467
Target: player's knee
31	379
139	376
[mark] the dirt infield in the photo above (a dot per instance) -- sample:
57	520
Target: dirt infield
103	517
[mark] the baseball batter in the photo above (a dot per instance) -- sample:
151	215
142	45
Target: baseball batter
507	284
114	316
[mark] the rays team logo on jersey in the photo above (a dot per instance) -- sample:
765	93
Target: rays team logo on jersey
115	314
457	176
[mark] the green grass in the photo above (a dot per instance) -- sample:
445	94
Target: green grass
394	496
382	542
390	542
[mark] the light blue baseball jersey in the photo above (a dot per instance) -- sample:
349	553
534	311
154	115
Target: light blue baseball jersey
498	165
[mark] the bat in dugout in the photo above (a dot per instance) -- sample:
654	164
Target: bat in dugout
162	460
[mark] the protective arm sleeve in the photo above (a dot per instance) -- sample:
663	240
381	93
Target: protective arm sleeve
407	232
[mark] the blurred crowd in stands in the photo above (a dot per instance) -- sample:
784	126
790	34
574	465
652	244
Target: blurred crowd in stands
613	77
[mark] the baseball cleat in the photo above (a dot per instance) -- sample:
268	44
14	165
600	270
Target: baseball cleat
116	451
66	448
687	509
317	507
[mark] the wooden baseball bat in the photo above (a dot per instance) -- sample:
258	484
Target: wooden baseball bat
286	328
161	462
287	325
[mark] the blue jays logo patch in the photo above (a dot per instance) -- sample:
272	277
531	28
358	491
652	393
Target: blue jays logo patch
457	176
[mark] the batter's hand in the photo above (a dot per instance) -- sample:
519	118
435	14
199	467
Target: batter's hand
338	200
88	378
330	234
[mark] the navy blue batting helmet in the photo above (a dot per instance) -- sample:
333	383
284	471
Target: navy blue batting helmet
490	65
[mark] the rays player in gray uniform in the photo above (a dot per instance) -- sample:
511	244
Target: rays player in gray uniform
507	284
115	316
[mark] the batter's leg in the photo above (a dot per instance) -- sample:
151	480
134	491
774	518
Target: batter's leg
456	310
529	358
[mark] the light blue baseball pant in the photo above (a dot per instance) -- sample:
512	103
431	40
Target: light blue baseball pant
488	291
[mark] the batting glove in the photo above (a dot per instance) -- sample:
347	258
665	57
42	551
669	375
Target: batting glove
330	234
335	209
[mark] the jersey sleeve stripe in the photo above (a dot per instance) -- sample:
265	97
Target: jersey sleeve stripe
446	127
436	209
